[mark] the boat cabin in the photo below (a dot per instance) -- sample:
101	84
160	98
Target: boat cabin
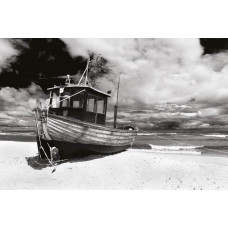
81	102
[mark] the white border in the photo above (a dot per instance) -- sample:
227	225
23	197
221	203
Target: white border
176	18
113	18
113	209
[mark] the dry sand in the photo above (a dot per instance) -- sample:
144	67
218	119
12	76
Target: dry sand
133	169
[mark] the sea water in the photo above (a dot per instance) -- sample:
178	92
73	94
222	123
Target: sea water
180	142
191	141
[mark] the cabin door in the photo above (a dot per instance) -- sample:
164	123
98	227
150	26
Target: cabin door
95	109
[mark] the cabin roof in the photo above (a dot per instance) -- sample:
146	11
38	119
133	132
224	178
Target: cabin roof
80	86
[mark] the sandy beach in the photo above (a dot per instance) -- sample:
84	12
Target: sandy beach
132	169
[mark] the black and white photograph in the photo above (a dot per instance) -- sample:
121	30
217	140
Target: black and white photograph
114	113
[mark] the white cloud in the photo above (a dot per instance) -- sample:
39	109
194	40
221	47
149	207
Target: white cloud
161	70
19	102
6	51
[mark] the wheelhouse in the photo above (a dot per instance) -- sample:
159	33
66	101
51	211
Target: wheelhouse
84	103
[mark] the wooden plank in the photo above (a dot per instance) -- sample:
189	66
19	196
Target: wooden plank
63	134
88	131
82	125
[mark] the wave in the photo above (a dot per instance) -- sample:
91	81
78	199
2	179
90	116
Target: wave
181	149
216	135
174	148
147	133
17	133
160	133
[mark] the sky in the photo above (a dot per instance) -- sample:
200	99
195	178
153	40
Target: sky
6	51
162	81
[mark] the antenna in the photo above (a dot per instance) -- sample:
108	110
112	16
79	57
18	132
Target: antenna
85	71
88	62
116	106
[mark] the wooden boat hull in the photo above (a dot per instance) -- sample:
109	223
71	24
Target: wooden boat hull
74	138
71	150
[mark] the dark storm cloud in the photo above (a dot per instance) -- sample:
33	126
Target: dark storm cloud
39	61
26	66
214	45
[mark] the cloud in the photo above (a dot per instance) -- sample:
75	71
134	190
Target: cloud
195	124
15	104
152	72
6	51
19	102
158	71
161	70
208	112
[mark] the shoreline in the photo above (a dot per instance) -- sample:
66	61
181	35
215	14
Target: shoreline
131	169
138	144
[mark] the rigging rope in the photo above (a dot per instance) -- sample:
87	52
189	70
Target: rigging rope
65	98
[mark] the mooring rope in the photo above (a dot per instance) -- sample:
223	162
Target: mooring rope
38	133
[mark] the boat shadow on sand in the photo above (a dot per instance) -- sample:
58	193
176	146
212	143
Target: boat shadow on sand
37	163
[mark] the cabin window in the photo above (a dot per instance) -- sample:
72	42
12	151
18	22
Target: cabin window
90	103
66	100
55	100
66	103
78	101
100	105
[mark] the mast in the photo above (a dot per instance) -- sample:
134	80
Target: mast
116	106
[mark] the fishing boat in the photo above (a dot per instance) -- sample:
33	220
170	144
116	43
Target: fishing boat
74	122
